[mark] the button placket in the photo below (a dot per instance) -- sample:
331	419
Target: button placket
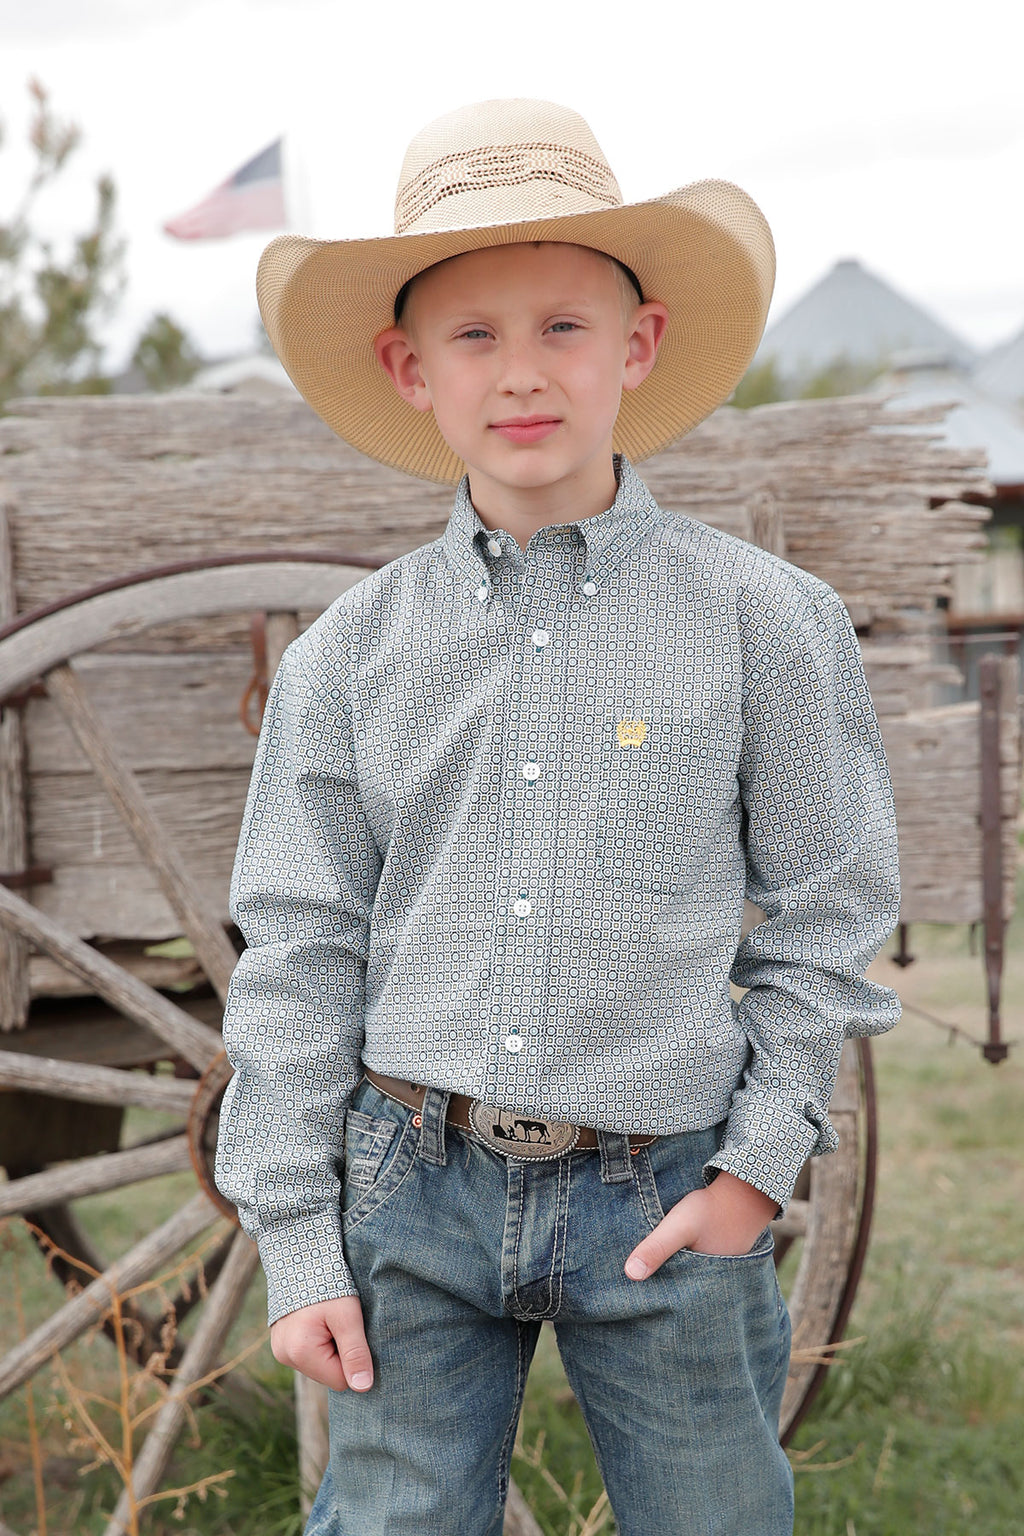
522	1007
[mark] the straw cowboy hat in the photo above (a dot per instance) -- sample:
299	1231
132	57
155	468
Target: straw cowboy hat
502	172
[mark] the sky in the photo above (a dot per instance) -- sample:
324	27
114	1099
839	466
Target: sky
891	131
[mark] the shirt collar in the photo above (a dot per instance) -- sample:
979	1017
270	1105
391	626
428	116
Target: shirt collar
606	536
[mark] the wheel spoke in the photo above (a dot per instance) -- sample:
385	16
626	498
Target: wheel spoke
311	1427
195	1041
211	944
519	1518
794	1223
93	1085
222	1307
85	1309
93	1175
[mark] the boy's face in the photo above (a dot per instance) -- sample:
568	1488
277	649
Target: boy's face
522	353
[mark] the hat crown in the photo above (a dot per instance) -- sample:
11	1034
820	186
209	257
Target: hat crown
502	161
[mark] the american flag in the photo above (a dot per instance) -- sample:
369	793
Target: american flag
253	198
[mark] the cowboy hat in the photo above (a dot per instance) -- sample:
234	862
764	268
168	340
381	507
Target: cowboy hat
505	172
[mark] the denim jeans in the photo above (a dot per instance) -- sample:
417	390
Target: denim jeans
459	1253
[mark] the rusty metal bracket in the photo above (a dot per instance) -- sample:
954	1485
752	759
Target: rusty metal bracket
19	699
21	879
903	957
258	685
995	1048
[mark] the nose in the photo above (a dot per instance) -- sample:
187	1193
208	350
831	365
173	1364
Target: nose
521	371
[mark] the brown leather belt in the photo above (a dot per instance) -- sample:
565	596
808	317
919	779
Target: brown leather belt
505	1131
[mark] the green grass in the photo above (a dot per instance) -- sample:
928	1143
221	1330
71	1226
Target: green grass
917	1430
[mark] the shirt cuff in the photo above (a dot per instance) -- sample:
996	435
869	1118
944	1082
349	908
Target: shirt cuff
767	1144
304	1264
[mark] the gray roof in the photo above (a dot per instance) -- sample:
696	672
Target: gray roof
976	421
851	314
1001	372
260	369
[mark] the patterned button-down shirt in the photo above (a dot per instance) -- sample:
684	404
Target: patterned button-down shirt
505	809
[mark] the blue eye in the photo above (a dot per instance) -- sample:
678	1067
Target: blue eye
473	335
565	325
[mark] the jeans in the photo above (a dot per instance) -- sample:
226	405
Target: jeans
459	1254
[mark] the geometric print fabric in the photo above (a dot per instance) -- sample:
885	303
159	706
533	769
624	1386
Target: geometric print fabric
505	809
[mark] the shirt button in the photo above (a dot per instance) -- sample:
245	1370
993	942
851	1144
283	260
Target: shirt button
589	588
541	637
513	1043
522	907
482	590
494	546
530	771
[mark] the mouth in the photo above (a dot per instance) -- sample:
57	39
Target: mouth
526	429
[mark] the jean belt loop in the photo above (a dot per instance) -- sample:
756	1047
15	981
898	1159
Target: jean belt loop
615	1164
431	1143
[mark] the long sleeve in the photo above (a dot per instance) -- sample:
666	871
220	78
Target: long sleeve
302	894
822	863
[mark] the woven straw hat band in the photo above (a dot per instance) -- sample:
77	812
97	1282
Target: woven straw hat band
500	163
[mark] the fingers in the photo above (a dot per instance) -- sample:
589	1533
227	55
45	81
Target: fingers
673	1232
326	1342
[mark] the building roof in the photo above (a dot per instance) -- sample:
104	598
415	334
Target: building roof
252	374
1000	373
853	315
975	421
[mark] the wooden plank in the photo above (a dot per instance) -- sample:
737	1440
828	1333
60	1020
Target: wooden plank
48	979
122	901
14	953
173	712
195	1041
935	764
100	885
105	486
199	921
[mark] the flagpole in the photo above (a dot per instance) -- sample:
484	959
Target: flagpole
298	212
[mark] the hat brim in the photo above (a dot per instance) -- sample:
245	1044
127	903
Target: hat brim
704	250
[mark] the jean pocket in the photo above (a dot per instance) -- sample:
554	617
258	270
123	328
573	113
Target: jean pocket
672	1168
389	1151
763	1248
367	1142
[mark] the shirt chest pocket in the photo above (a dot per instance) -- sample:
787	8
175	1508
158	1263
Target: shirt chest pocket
643	810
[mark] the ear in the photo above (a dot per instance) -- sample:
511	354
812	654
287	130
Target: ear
648	327
396	353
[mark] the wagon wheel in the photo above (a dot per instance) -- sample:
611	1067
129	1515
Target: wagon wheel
44	644
830	1220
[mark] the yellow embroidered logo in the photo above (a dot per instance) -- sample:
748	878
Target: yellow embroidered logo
631	733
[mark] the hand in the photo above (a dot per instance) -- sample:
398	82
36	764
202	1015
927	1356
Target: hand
327	1343
725	1218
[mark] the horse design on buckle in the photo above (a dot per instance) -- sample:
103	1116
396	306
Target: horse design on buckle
518	1135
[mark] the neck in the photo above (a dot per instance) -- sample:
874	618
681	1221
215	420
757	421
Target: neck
521	510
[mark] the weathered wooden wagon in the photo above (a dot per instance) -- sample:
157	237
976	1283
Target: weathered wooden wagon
157	556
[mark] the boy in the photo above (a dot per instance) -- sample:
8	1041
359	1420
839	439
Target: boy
509	795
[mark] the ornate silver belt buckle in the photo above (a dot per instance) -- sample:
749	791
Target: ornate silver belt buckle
518	1135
